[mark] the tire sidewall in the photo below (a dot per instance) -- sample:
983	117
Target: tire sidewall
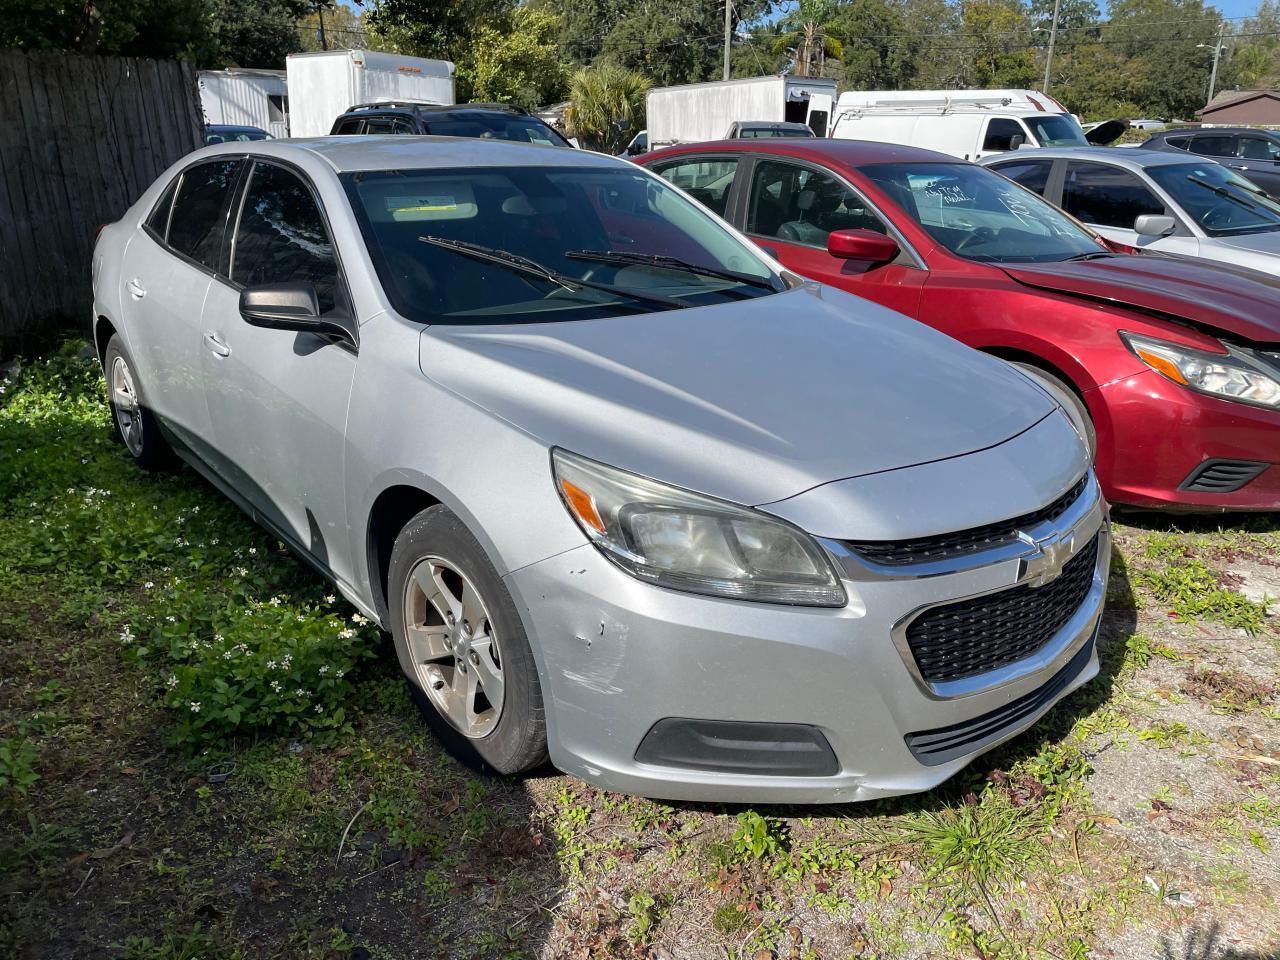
518	741
155	453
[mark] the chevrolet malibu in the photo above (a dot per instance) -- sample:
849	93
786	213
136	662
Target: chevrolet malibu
625	493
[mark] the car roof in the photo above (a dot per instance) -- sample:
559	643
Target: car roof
398	152
1210	131
234	126
1129	157
850	153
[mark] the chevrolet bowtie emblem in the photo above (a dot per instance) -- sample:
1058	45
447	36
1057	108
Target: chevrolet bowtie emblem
1044	565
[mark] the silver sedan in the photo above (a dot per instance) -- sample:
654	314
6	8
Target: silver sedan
625	493
1176	203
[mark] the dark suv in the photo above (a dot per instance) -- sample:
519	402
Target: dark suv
1255	153
492	121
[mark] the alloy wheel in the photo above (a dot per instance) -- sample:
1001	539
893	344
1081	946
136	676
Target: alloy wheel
124	398
452	644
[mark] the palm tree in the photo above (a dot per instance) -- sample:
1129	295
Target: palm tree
807	39
606	106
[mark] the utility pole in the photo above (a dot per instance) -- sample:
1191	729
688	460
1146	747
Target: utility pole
728	34
1217	52
1053	35
324	40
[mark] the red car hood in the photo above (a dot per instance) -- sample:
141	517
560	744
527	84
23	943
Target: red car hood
1217	296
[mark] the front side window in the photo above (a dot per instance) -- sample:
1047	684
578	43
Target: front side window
1258	148
541	244
978	214
1032	174
200	210
1000	134
348	127
801	205
1106	195
707	181
1222	202
281	236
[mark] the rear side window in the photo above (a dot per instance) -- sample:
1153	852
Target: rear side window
1214	146
1032	174
1000	134
159	219
200	210
1107	196
707	181
385	125
281	236
348	127
1179	143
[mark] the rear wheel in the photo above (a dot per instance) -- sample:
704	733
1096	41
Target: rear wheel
462	646
1069	400
134	423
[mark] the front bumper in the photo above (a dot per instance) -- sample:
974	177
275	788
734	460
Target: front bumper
617	656
1160	433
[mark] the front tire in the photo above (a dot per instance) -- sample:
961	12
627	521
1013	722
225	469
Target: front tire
1070	402
133	423
462	646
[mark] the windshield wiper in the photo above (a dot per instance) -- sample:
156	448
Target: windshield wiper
668	263
1223	192
532	268
1091	255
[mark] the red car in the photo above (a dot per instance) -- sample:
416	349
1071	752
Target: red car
1169	366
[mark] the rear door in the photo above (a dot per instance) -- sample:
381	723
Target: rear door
790	207
167	271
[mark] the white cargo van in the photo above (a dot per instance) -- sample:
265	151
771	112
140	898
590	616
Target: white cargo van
969	124
694	112
324	85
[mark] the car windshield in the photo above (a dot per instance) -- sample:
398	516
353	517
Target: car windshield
494	127
756	133
1220	201
541	244
980	215
1056	130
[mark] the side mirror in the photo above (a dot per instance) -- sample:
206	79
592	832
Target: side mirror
865	246
1017	141
1154	225
290	306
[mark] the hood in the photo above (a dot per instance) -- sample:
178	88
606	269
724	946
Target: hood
1265	243
1207	294
752	401
1109	131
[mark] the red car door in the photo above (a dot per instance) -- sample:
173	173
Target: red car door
791	207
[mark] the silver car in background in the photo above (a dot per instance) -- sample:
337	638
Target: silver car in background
624	493
1175	203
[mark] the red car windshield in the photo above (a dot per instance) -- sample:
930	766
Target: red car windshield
979	215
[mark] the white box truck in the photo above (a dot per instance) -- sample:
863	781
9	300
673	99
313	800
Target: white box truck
324	85
695	112
246	98
964	123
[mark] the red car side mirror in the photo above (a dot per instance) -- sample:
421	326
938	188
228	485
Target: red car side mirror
866	246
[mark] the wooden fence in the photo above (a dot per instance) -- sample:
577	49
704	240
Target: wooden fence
80	139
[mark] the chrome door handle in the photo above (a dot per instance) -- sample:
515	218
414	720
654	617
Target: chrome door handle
215	343
136	289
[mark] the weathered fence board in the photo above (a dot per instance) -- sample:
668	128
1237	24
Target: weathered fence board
80	139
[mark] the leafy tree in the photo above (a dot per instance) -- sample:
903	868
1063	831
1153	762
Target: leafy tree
879	51
1168	45
343	28
253	33
520	65
441	29
606	106
144	28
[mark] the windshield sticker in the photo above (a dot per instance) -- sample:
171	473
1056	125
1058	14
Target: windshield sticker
440	206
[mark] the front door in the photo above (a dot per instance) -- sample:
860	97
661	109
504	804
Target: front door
278	399
792	207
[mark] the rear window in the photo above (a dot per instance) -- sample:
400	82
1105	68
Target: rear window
494	127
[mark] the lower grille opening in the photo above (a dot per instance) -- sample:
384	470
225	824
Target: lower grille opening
932	747
970	637
727	746
1222	476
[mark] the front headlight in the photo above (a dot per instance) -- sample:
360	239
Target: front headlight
1235	376
686	541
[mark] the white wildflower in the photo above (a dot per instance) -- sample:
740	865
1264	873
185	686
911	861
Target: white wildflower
330	598
195	706
359	619
172	681
271	665
346	634
275	685
324	669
